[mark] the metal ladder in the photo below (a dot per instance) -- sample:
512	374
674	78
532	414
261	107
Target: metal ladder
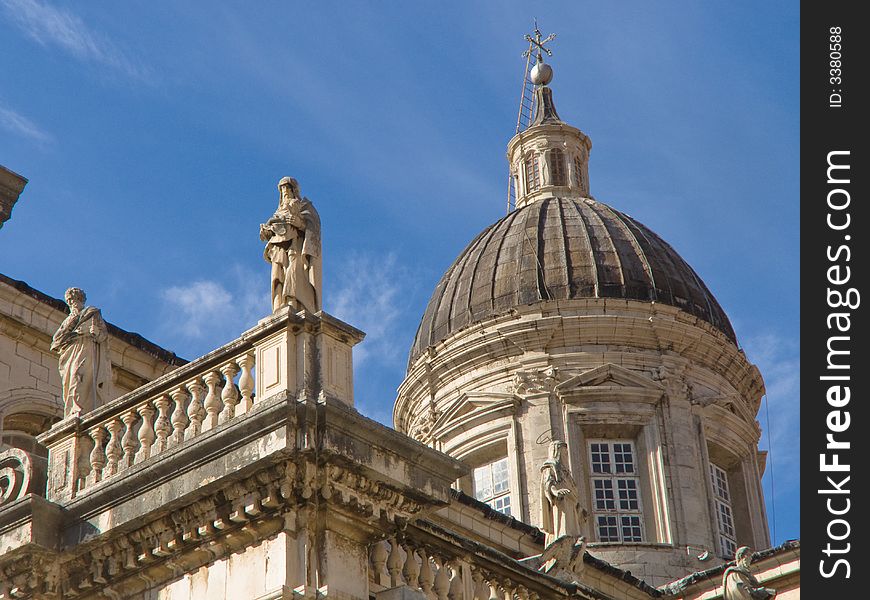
524	116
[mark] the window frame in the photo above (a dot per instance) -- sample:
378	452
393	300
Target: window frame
615	515
558	167
724	510
532	171
497	500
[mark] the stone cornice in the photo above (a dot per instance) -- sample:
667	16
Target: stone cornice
603	323
245	480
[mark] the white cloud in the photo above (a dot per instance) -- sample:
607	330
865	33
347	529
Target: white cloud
20	125
52	26
206	314
368	297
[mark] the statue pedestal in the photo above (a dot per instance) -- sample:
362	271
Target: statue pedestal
308	355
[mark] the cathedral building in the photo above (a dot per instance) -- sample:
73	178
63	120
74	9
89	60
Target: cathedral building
577	420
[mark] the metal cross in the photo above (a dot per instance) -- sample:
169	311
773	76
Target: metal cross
539	43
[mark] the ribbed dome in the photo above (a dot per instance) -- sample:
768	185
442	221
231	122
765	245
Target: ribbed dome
558	249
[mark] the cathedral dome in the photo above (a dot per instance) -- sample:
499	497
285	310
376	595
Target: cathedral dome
559	248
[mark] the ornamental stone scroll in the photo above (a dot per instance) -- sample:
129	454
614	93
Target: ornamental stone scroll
20	474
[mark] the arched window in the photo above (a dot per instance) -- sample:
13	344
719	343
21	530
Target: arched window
557	167
533	172
578	172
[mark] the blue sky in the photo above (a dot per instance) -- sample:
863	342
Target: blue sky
154	133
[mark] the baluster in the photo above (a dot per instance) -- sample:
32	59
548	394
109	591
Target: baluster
427	577
493	590
213	404
481	589
162	427
128	442
179	418
394	563
379	562
98	455
229	395
195	409
146	432
456	591
114	451
246	382
507	587
411	570
442	579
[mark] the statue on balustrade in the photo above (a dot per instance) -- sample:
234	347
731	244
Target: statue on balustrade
292	237
740	584
561	512
82	341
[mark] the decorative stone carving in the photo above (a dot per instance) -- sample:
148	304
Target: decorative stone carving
536	382
19	476
292	237
85	369
739	583
563	558
561	512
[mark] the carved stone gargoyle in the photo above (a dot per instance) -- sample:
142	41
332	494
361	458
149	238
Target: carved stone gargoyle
563	558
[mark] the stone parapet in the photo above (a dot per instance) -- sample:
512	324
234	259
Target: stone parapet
298	482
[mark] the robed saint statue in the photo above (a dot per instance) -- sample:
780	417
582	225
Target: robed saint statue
561	512
82	343
292	237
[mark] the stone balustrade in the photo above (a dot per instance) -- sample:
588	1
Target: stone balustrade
302	354
438	575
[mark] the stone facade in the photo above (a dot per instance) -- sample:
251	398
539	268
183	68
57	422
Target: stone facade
30	386
248	474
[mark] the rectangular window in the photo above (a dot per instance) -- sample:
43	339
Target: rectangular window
724	513
557	167
492	485
616	506
578	173
533	172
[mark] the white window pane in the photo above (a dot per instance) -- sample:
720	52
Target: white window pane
615	491
628	498
623	458
600	458
631	529
502	504
483	483
500	476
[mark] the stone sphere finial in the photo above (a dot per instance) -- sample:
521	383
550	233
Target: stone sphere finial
542	74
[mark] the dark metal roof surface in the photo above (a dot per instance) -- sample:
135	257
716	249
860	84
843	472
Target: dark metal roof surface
558	249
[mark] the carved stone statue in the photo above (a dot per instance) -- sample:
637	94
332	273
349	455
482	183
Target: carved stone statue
561	513
564	558
82	341
292	237
739	583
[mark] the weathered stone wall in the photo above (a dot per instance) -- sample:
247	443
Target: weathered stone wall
258	572
675	386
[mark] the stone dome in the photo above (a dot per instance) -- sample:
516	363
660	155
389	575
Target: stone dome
562	249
